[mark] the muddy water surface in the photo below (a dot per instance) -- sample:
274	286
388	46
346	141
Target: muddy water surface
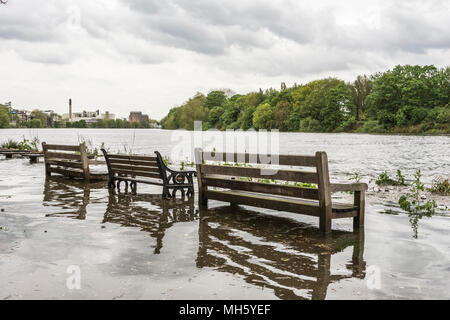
140	246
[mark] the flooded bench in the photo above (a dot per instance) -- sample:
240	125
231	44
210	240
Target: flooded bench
150	170
298	191
69	161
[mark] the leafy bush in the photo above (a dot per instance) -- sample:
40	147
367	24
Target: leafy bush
25	144
371	126
385	180
440	186
413	204
310	125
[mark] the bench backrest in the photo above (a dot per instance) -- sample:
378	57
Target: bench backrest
208	173
132	165
67	160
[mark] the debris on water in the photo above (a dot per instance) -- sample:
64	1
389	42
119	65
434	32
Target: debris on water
423	197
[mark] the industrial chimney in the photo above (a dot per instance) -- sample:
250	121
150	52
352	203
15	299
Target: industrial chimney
70	109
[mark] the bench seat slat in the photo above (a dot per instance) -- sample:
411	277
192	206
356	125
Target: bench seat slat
139	180
270	188
137	173
286	175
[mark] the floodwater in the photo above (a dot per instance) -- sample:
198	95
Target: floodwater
126	246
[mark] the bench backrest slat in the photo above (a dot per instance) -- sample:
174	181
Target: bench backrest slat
287	175
133	162
132	157
284	160
260	187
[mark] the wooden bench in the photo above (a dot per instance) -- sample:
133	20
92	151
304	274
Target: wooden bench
69	160
139	168
279	196
32	155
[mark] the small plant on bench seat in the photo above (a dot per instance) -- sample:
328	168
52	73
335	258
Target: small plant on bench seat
138	168
237	186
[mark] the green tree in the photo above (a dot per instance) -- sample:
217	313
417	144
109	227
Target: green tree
4	117
245	118
281	114
262	118
404	95
34	123
41	116
185	115
215	98
214	116
328	101
360	88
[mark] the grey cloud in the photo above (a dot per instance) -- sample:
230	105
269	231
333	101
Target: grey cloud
253	33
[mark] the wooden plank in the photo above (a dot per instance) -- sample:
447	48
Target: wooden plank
68	173
134	162
62	147
287	160
286	175
57	155
339	187
324	192
270	188
139	181
360	202
137	173
344	214
84	160
134	168
202	198
264	201
70	164
131	157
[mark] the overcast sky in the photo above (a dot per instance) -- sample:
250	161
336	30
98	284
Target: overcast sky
124	55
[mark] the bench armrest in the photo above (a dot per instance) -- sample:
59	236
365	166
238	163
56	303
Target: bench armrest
337	187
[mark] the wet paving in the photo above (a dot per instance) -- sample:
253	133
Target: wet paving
139	246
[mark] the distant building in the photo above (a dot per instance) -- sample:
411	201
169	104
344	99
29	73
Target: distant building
88	116
137	116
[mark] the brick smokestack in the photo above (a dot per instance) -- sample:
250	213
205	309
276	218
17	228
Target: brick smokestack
70	109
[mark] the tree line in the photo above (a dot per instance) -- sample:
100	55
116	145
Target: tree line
39	119
406	99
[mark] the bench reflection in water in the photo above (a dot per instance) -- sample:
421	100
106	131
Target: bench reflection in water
68	198
286	256
149	212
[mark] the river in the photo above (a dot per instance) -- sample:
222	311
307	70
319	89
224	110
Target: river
139	246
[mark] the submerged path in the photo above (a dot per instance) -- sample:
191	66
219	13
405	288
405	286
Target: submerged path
128	247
